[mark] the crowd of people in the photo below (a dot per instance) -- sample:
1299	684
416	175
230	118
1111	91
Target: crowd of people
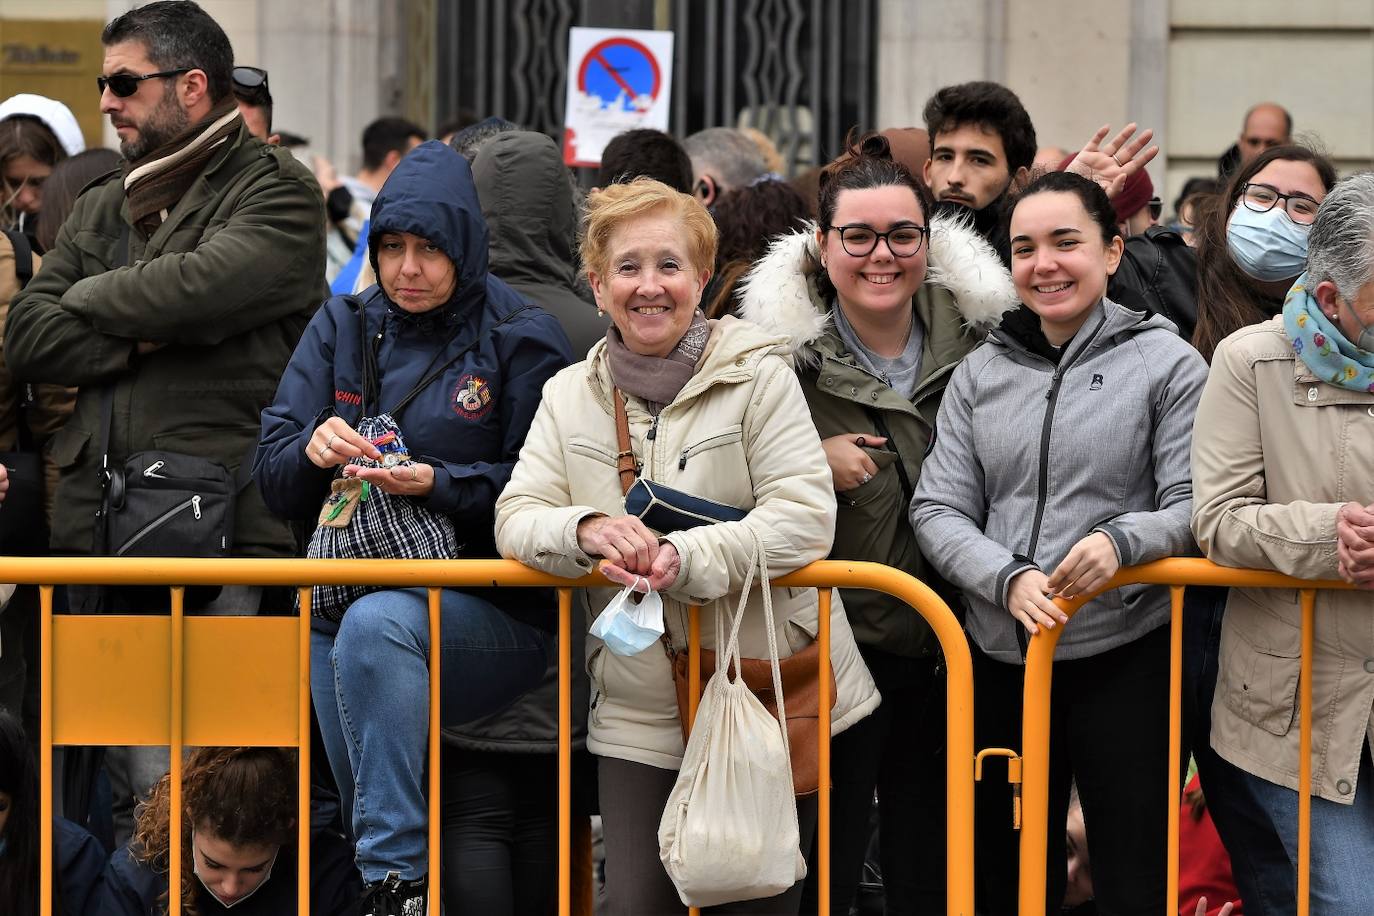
986	363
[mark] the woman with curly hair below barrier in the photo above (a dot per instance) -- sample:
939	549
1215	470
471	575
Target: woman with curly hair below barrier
238	844
712	409
1061	455
1283	476
878	303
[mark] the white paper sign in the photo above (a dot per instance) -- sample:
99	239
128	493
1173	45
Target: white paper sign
618	80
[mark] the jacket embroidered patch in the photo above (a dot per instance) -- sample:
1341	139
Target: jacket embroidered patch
472	398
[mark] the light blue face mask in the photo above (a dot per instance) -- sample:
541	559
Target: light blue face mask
1268	245
628	628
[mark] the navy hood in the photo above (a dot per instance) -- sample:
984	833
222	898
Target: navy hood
431	194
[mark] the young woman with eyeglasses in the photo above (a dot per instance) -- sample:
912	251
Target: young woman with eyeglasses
1252	244
879	303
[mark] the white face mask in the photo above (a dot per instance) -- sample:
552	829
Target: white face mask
195	868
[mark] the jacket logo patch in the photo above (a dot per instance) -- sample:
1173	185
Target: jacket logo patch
348	397
1096	383
472	397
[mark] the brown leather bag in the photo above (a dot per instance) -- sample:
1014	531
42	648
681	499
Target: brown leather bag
800	671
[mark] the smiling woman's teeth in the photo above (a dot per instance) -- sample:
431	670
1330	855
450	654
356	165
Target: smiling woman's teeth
652	310
1052	289
880	279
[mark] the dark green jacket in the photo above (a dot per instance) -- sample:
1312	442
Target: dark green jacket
225	286
966	290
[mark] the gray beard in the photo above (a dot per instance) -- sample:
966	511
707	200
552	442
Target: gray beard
164	122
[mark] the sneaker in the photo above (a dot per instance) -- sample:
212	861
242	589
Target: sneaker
394	897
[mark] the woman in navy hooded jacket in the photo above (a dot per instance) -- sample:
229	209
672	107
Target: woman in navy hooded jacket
369	675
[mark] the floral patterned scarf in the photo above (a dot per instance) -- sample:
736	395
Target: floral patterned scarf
1322	346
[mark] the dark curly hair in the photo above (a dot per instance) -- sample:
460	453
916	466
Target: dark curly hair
245	796
989	106
748	219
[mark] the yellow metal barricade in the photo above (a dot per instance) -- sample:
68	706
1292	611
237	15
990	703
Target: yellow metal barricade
222	681
1035	737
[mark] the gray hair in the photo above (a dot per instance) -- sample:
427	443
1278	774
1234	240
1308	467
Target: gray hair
1341	245
727	154
470	140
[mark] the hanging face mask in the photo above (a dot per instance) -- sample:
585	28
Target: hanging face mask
1268	245
267	874
1366	339
628	628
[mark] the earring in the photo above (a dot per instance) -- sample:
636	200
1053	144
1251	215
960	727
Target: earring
600	313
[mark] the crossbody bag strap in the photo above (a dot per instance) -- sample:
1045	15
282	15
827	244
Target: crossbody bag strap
625	464
23	256
429	377
121	259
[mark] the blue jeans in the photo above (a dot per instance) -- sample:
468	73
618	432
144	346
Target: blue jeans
1259	863
1342	842
370	685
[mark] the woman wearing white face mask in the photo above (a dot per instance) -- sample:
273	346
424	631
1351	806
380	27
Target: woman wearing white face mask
238	844
1253	244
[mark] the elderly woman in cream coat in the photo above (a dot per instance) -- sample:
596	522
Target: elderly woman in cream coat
1283	479
714	410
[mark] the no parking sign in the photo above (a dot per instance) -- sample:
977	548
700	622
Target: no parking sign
618	80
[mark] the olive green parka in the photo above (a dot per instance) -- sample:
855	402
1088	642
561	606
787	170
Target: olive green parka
965	292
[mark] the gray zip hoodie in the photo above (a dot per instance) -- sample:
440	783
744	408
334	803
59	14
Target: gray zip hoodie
1029	457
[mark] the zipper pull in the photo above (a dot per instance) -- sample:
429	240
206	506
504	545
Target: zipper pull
195	506
682	462
653	430
1054	383
152	469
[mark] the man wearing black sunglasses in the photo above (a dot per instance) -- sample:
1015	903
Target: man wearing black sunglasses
255	102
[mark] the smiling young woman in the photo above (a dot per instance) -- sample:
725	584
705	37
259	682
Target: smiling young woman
873	344
1062	456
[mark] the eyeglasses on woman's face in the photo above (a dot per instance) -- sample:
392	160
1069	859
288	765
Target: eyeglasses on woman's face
1262	197
859	241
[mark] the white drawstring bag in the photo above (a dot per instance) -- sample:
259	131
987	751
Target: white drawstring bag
729	831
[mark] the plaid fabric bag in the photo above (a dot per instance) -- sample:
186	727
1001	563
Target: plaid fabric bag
377	525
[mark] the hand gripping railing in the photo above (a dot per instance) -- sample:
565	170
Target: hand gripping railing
1035	738
223	681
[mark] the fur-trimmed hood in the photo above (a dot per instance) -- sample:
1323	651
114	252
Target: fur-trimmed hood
779	293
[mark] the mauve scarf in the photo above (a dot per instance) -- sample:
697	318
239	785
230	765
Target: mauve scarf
657	379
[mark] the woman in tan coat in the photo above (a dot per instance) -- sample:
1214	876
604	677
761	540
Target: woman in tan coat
715	411
1283	479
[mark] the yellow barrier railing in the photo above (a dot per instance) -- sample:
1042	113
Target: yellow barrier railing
212	681
1035	736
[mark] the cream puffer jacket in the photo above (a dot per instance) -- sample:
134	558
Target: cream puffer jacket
740	433
1276	451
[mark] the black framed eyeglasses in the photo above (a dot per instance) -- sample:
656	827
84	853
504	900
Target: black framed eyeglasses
250	84
124	85
903	241
1262	198
1156	208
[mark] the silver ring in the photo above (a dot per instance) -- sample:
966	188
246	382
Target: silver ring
866	478
330	444
1117	161
323	450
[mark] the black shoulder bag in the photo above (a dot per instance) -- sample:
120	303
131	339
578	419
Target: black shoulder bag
157	503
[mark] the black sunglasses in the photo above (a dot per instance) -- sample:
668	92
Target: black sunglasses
250	80
124	85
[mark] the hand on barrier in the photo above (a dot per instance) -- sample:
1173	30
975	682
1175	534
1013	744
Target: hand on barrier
661	574
1088	566
1028	600
623	540
1355	544
1111	163
850	465
334	442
